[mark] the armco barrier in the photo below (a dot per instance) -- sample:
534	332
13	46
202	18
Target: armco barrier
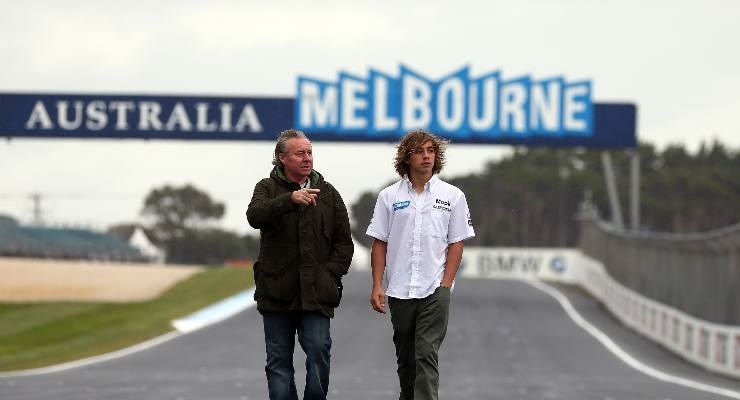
696	273
713	346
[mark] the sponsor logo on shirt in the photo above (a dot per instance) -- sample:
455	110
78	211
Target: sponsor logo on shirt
401	205
442	205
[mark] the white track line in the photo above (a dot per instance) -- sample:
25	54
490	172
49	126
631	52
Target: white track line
623	355
217	312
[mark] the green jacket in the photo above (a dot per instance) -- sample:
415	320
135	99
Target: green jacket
304	250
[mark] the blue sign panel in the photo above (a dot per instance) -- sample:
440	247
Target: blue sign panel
146	117
237	118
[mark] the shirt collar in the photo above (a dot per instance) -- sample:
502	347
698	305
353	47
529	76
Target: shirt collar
432	182
427	186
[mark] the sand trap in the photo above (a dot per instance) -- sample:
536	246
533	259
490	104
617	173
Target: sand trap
32	280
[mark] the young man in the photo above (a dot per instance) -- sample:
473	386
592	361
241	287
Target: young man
305	249
419	225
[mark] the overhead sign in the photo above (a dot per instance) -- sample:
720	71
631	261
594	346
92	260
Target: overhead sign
379	107
458	105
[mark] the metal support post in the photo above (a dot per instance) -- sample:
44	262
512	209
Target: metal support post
611	189
635	191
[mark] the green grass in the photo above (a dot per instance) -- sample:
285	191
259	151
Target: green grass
40	334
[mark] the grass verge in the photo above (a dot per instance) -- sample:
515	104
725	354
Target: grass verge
41	334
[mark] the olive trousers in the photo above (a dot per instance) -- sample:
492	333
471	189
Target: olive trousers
419	327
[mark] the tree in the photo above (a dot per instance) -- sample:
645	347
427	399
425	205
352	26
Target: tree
7	220
181	225
362	211
176	210
211	247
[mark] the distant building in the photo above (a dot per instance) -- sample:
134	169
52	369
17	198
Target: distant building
140	241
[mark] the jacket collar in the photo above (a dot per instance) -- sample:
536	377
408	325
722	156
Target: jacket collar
279	175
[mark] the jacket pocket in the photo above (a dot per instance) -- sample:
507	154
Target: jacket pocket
278	284
329	288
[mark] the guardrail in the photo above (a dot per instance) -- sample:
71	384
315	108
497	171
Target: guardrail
695	273
714	346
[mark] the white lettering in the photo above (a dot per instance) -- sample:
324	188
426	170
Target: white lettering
453	90
149	115
545	107
455	105
513	113
39	115
248	118
97	117
317	111
572	105
179	117
121	108
352	102
381	120
226	109
416	96
488	105
63	117
202	123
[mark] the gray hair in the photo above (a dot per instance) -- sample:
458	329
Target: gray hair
281	147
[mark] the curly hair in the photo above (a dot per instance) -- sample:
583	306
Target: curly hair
281	146
413	142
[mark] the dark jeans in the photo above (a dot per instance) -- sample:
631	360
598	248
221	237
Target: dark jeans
419	327
314	336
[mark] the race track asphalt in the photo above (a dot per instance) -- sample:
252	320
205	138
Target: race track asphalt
506	340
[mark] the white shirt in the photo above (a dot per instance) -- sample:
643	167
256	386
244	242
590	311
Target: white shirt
418	228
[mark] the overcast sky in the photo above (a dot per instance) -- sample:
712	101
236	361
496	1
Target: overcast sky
676	60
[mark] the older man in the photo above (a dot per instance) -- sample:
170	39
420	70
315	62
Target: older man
305	249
